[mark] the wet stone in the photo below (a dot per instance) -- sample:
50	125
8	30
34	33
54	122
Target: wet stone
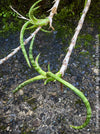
36	123
54	98
45	61
48	121
77	83
41	115
48	131
86	94
6	39
54	123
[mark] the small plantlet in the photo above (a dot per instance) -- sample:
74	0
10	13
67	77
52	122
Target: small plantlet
47	76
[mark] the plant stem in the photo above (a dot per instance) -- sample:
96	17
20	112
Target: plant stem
18	48
73	41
